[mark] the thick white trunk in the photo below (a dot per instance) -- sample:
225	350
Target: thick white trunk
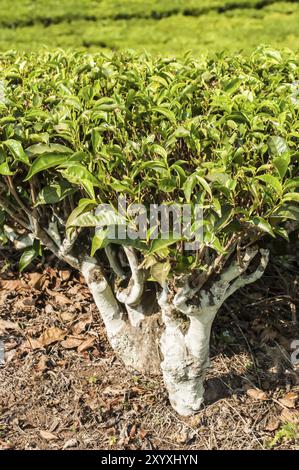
104	299
186	355
134	337
136	315
186	359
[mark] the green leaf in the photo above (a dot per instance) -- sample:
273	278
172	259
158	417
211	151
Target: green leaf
217	206
29	255
99	241
262	225
54	193
83	206
159	166
88	186
181	132
96	140
271	181
102	219
167	185
15	147
180	172
277	146
282	163
288	212
5	170
165	112
291	197
227	213
159	244
216	245
233	85
204	184
237	117
44	162
292	184
220	177
159	151
76	173
188	186
40	149
281	232
159	272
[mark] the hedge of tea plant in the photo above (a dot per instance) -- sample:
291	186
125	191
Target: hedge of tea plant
200	25
26	13
77	130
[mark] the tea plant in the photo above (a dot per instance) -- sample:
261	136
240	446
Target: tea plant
79	130
199	25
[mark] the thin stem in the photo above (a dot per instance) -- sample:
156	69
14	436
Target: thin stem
17	197
12	214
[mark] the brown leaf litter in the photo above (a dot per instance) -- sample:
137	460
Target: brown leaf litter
62	387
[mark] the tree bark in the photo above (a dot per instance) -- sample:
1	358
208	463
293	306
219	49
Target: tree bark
136	334
186	355
136	342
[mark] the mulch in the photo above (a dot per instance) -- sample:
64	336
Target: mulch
62	387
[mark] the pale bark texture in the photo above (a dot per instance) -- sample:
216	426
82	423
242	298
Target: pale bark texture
186	355
134	326
132	335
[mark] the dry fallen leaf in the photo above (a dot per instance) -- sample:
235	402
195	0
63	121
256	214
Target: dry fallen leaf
41	366
49	309
268	334
5	445
137	391
37	280
86	344
272	425
182	437
32	343
66	316
82	324
10	355
143	433
256	394
28	302
13	284
70	443
48	436
7	325
289	400
24	304
133	431
288	416
71	342
74	289
65	275
51	335
60	298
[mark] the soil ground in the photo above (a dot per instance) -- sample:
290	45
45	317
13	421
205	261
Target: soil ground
62	387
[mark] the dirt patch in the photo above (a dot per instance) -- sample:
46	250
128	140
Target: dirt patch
62	387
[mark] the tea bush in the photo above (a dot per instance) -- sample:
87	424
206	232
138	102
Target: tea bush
79	130
159	27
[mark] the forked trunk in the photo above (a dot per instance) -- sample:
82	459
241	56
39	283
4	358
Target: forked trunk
136	334
133	335
186	360
185	355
